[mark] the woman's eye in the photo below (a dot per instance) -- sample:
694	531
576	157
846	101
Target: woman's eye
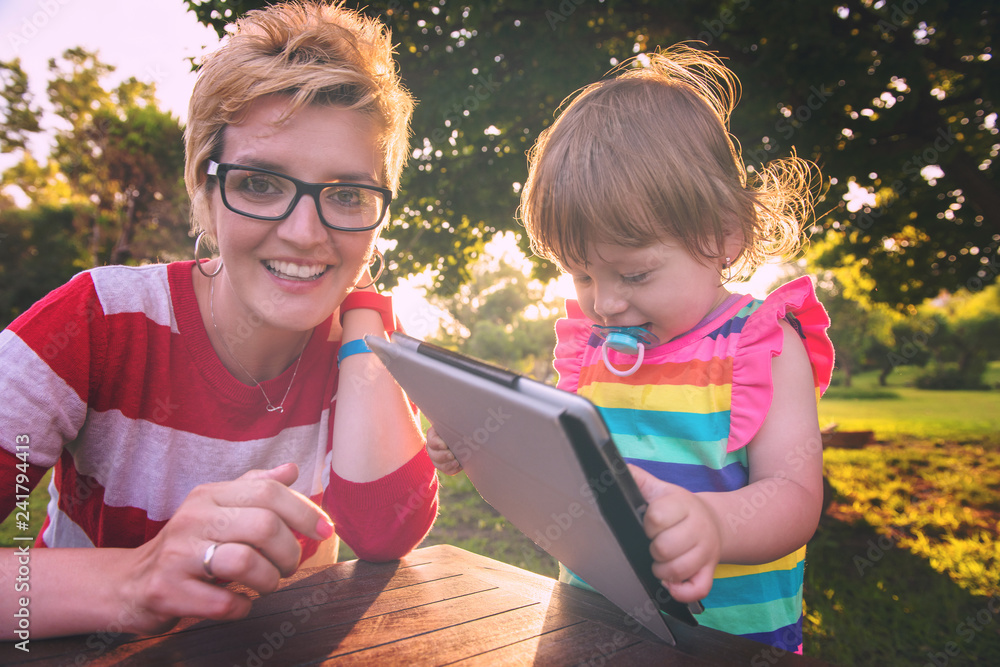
350	197
258	185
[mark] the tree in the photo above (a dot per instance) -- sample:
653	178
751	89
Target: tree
502	316
874	92
860	329
38	252
908	346
117	159
963	339
20	118
122	151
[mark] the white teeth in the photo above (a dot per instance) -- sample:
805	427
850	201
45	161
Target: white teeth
295	270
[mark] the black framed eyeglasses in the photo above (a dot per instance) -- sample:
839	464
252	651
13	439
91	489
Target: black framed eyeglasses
268	195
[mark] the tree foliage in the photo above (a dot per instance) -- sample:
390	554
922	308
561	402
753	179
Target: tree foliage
873	91
111	190
961	338
501	316
38	252
124	154
20	117
861	330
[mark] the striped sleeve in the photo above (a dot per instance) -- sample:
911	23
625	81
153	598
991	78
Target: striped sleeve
47	357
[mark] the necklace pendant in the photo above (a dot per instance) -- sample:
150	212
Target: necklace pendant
276	408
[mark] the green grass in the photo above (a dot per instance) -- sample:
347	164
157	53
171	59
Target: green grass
899	410
906	554
872	602
37	501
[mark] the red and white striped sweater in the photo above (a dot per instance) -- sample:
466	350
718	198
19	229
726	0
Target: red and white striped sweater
112	379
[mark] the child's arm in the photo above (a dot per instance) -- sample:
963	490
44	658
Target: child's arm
775	514
441	456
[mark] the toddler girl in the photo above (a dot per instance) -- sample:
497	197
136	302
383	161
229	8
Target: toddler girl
638	192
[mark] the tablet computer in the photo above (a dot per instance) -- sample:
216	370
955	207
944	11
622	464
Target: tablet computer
545	460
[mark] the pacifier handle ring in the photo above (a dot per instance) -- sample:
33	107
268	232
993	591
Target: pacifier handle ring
622	374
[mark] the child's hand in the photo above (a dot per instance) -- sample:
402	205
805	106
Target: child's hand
685	534
441	456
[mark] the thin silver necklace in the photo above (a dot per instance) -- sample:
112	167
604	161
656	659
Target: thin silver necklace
270	406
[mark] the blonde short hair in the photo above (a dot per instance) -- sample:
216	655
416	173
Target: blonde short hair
647	154
313	53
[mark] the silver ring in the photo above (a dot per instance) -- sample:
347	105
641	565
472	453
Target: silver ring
207	560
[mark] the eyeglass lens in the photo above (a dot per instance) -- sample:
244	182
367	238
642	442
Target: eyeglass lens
256	193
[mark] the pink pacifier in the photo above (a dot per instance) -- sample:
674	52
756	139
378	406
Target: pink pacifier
627	340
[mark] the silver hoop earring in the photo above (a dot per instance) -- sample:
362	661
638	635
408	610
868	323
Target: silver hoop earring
197	262
381	268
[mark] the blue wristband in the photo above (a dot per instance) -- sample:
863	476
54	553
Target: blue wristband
349	348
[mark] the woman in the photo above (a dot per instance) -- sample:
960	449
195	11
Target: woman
207	420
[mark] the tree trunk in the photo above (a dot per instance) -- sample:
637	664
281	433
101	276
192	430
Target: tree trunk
121	250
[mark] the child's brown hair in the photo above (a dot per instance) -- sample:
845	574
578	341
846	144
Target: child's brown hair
648	153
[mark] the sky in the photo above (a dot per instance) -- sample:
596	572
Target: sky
147	39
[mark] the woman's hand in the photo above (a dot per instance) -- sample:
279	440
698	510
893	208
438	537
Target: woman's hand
441	456
685	536
250	520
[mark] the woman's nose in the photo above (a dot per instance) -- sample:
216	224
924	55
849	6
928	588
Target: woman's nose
303	227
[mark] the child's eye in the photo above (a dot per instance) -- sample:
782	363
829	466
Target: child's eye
636	278
581	280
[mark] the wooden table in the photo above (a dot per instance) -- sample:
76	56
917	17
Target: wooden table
439	605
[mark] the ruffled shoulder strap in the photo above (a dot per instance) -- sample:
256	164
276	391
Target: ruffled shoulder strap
761	340
572	334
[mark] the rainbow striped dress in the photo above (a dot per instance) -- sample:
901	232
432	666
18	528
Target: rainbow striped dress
687	415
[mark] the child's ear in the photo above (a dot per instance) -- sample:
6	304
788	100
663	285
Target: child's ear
733	243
